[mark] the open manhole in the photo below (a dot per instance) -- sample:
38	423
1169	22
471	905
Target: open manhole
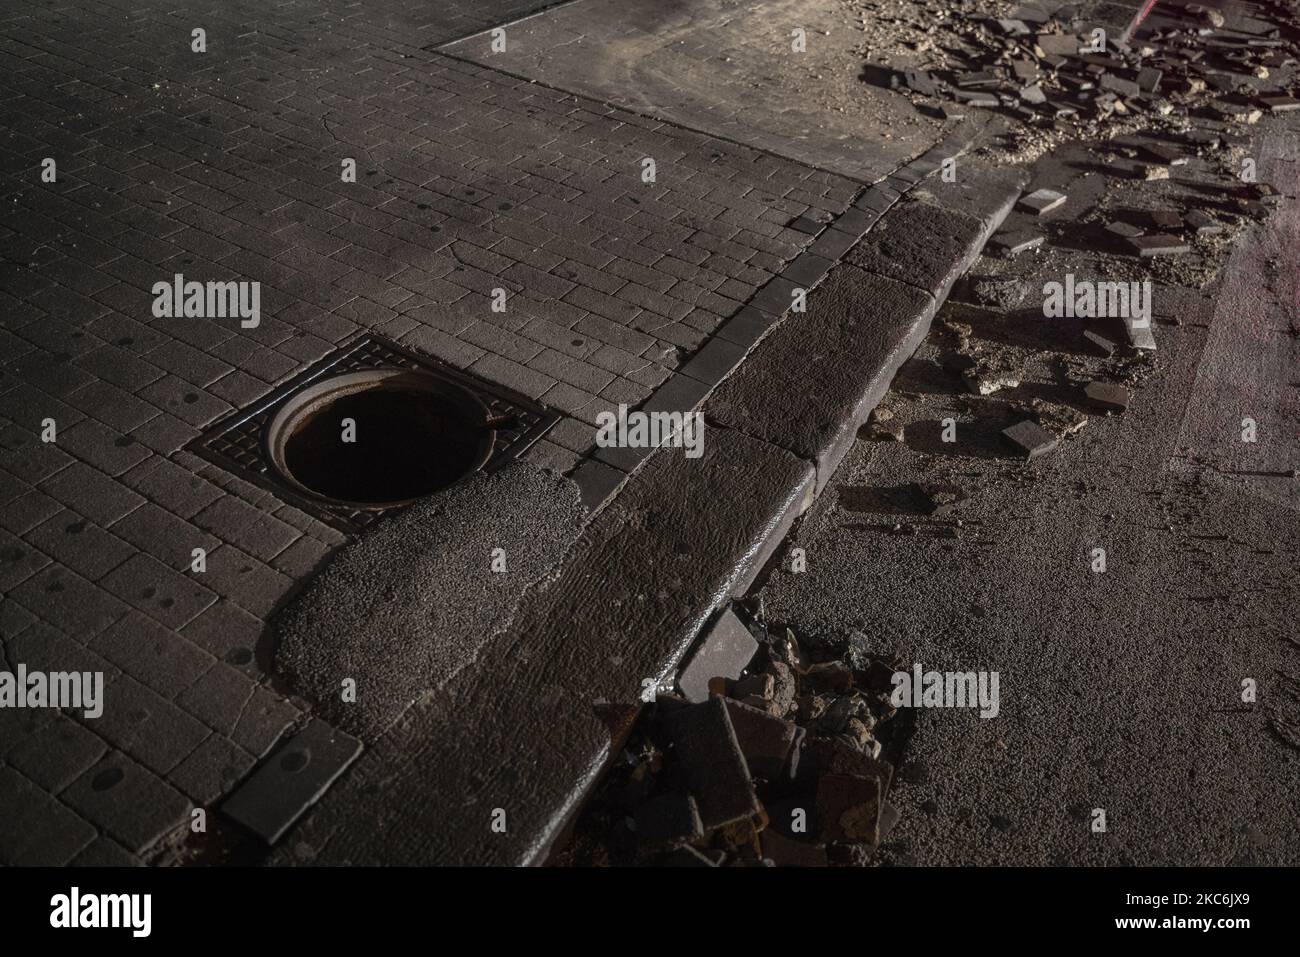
371	429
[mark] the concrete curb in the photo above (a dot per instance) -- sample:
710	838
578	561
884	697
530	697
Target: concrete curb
522	741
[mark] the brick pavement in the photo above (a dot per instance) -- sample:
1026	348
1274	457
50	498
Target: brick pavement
225	165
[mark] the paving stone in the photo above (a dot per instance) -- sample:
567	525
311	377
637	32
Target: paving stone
80	545
723	652
92	494
920	244
213	769
1030	439
1107	396
291	780
172	598
265	718
133	806
69	602
1042	201
848	808
38	830
1099	343
57	754
105	852
715	770
767	742
153	654
1017	241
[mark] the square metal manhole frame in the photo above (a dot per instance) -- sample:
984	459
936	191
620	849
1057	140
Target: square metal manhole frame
237	445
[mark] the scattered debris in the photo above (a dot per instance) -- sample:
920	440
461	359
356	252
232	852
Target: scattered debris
1030	438
1042	201
1107	396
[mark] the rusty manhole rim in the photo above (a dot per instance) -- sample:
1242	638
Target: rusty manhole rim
325	392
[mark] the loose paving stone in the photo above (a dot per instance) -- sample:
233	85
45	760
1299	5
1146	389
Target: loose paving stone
715	768
133	806
1099	343
724	652
291	780
1158	245
1203	223
1123	230
1280	104
786	851
767	743
848	808
1107	396
1017	241
1031	439
1042	201
1140	334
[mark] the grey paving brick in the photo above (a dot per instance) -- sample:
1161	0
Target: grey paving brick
145	725
91	493
228	633
105	852
258	532
176	488
134	806
57	754
72	604
265	718
291	780
170	597
218	698
80	545
214	768
247	581
153	654
108	450
158	532
39	830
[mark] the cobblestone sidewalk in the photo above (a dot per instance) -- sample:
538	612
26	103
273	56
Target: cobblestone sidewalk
225	165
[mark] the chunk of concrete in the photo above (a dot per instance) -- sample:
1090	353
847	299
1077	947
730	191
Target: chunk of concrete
723	653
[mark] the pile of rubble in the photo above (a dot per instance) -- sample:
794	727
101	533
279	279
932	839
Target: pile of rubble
1059	72
781	767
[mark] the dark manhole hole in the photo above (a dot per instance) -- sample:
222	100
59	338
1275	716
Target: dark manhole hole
371	429
379	438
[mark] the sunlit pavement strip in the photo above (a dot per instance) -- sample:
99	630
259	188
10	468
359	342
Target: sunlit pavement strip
222	156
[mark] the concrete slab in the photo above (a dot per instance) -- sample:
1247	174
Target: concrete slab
727	69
